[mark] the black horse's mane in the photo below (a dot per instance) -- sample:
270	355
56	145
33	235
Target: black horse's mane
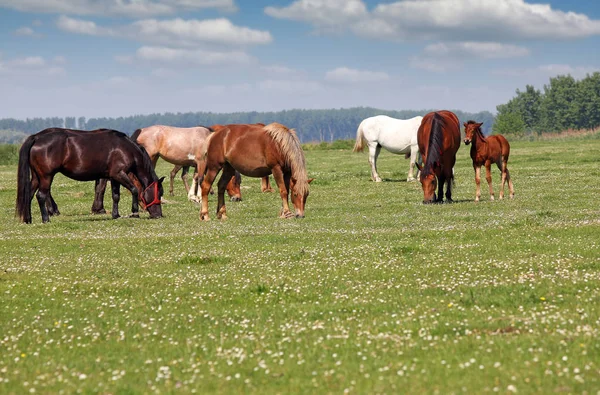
436	142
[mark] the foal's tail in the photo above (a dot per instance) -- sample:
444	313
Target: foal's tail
24	193
359	145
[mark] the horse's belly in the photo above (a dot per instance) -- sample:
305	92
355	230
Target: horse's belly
181	159
81	176
257	172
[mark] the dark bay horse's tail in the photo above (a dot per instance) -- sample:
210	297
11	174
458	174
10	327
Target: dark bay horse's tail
24	193
136	134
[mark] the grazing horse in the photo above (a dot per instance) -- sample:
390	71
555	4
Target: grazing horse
439	139
485	151
398	136
85	156
255	151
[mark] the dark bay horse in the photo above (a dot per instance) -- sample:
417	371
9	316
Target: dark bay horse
485	151
85	156
255	151
439	139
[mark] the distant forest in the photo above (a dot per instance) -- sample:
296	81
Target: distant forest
565	103
311	125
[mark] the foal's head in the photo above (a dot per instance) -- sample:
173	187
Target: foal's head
471	128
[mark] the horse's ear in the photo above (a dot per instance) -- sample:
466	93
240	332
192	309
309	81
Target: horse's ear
418	166
479	124
465	124
310	180
160	180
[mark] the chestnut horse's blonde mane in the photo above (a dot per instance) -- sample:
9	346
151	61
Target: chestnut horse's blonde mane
290	147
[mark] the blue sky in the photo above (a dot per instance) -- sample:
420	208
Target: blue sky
123	57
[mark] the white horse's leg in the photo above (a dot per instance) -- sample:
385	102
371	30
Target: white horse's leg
374	150
414	153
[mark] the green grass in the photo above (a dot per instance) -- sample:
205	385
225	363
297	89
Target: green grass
372	292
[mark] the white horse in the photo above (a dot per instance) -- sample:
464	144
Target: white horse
398	136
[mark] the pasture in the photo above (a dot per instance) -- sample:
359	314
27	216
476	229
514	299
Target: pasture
373	292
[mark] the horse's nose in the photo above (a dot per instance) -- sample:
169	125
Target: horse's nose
299	215
467	142
236	199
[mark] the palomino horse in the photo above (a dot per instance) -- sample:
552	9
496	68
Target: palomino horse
398	136
85	156
439	139
255	151
485	151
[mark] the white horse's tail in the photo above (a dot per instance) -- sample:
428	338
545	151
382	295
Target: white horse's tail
359	145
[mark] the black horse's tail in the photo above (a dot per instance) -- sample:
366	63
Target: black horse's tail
24	195
136	134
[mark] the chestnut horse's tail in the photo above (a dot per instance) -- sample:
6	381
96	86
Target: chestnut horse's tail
136	134
359	145
24	193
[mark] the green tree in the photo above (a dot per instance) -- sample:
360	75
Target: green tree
510	124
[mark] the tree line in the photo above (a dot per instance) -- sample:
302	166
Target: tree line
311	125
565	103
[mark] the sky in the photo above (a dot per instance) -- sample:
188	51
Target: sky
109	58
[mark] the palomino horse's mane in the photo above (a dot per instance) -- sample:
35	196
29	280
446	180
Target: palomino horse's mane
292	152
436	142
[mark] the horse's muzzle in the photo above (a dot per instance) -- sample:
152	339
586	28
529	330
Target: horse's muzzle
467	142
236	199
298	216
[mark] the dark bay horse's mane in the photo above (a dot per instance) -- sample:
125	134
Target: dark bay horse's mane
436	142
147	162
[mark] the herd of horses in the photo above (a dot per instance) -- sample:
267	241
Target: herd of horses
253	150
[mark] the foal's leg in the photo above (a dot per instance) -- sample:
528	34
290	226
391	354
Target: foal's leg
207	182
488	177
265	186
98	205
477	182
502	166
510	184
116	196
226	175
284	187
374	150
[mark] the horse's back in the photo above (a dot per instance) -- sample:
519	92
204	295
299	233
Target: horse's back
395	135
502	143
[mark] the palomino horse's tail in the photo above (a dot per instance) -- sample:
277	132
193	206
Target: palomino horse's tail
290	147
359	145
24	192
136	134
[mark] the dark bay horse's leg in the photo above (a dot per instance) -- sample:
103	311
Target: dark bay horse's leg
116	196
122	178
207	181
488	177
265	186
226	176
99	189
51	205
283	182
439	198
42	196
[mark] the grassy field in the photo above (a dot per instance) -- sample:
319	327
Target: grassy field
372	292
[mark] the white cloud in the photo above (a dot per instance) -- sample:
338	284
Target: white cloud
459	20
187	57
347	75
546	71
137	8
29	66
58	59
174	32
294	87
29	61
440	57
25	31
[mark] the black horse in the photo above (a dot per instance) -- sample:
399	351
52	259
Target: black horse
85	156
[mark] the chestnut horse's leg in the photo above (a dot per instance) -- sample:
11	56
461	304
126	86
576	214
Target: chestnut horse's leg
207	182
116	196
488	177
477	182
374	150
283	182
265	186
226	176
98	205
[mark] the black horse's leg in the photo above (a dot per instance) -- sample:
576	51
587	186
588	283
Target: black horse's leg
99	189
116	196
51	205
124	180
440	193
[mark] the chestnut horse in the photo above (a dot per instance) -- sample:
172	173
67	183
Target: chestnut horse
255	151
439	139
485	151
84	156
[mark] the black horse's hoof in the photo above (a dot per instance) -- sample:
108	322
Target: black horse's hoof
98	212
134	215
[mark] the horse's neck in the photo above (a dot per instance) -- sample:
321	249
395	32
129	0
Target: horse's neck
479	140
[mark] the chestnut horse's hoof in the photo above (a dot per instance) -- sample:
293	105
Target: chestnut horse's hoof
267	190
204	217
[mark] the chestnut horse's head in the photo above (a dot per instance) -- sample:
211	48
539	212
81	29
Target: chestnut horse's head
471	128
428	178
300	193
234	188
